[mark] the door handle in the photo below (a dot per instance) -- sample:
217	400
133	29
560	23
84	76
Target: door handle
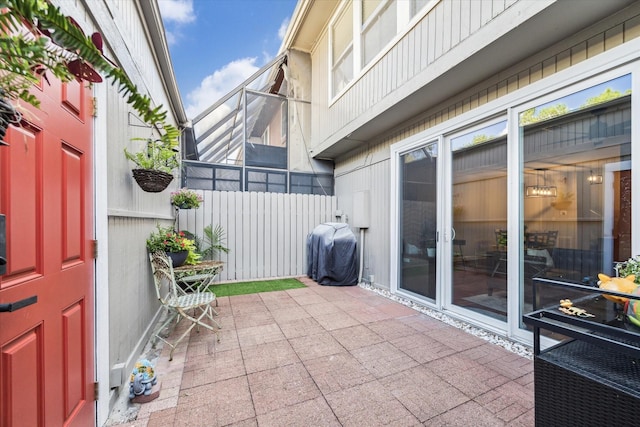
17	305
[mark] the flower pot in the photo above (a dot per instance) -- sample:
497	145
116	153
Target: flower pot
178	258
152	181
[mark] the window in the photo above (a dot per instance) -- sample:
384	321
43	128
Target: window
417	6
342	50
379	25
362	31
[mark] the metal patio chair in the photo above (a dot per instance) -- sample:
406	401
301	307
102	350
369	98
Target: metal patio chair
194	307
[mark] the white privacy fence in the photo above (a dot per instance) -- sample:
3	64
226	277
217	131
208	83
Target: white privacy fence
266	233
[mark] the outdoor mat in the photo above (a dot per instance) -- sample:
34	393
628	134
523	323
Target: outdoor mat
253	287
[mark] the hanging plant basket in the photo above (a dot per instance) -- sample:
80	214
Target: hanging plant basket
152	181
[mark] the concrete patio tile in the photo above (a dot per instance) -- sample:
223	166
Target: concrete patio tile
219	366
424	394
337	372
467	414
356	336
508	401
471	378
281	387
239	300
215	404
369	315
527	419
146	409
313	346
305	296
506	363
301	327
422	323
369	404
396	309
162	418
321	308
278	300
228	341
455	338
350	304
248	320
332	293
337	320
282	315
526	380
259	335
383	359
421	348
251	422
315	412
268	356
391	328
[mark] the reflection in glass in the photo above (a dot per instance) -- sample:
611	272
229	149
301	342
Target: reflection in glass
578	141
418	221
479	209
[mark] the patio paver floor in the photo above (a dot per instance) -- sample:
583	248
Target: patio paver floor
336	356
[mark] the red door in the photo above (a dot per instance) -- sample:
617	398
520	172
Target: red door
46	348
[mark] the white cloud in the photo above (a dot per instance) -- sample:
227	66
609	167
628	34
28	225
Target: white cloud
216	85
283	28
177	11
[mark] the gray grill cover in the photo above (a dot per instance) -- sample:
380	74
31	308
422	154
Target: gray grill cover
332	258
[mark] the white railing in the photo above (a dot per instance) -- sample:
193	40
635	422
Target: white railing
265	232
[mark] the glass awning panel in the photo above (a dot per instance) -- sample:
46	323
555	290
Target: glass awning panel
219	130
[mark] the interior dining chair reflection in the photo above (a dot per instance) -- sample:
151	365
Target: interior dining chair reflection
193	307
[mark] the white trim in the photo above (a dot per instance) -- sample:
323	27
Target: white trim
101	293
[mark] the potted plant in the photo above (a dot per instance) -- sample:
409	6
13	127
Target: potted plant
186	199
214	240
54	43
176	245
155	163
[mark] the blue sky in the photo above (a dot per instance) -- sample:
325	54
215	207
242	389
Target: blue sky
217	44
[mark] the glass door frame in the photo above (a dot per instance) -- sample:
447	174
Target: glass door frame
396	216
447	233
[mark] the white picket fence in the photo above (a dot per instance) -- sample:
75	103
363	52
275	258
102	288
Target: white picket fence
265	232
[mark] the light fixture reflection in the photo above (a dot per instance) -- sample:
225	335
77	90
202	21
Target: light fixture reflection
594	179
543	190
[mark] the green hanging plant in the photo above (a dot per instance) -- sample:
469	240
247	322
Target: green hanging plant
39	39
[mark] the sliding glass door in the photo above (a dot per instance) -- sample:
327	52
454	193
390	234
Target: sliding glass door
576	186
477	208
418	220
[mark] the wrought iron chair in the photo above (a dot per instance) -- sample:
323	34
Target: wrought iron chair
197	278
193	307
